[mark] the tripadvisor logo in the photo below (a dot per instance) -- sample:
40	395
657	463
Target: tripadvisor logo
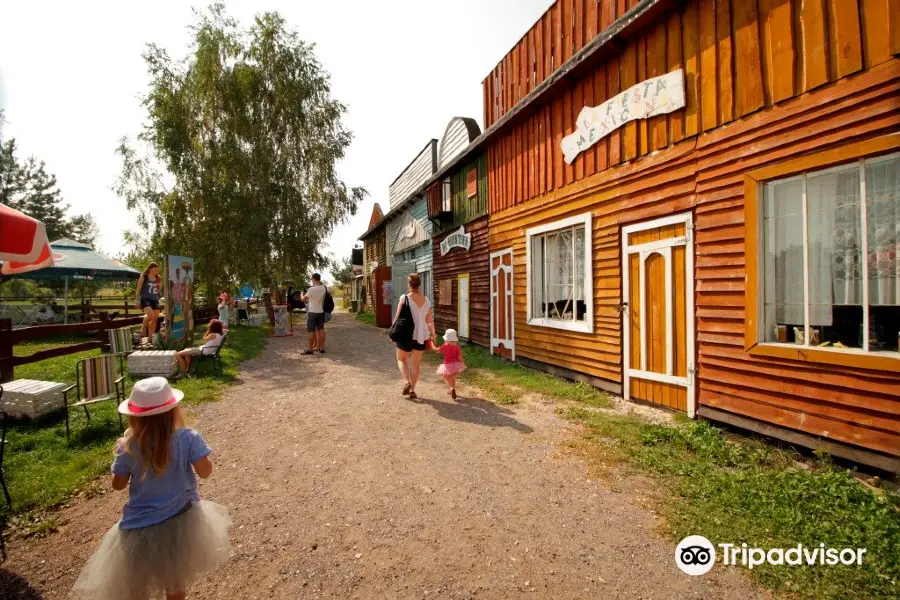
696	555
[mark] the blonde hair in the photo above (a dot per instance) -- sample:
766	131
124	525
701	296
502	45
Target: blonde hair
414	281
149	438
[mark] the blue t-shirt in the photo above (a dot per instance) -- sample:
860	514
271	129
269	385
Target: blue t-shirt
153	499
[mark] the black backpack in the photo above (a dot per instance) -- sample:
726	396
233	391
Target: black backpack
402	329
328	303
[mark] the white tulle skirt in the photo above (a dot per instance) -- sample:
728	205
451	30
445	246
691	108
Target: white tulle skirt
144	563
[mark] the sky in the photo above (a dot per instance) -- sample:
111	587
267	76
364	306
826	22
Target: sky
71	75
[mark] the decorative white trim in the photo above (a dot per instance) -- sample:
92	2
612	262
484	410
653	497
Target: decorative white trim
586	326
644	251
509	344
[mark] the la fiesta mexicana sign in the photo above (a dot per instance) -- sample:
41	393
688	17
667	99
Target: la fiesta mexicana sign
457	239
650	98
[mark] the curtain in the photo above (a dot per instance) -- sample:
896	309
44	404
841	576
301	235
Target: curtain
883	229
835	240
783	226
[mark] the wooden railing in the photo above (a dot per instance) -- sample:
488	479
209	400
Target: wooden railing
9	337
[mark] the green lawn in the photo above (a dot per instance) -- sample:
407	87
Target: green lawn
366	318
43	470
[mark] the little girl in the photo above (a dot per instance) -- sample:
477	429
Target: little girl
453	361
167	535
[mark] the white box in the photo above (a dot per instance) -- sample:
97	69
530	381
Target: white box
31	398
150	363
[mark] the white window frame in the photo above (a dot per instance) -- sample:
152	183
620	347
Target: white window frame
586	326
864	267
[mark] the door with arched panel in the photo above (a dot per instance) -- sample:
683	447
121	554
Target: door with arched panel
658	312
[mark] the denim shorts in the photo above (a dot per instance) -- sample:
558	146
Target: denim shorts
315	322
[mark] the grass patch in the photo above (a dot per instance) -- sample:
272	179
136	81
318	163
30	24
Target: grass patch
751	492
366	318
505	382
44	470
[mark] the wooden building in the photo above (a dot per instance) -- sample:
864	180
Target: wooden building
457	207
374	252
734	255
408	227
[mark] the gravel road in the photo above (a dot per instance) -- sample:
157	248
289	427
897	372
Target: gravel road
340	488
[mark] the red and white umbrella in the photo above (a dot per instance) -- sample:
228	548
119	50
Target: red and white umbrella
24	246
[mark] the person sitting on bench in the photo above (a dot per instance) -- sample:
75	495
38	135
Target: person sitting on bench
212	339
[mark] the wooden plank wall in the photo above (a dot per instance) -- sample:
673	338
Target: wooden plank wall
739	57
475	262
374	252
847	405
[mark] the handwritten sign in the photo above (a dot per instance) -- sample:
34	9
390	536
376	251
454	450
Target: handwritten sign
655	96
457	239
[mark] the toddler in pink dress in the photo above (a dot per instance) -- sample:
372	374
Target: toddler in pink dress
453	361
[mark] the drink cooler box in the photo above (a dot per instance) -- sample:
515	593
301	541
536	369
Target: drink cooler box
150	363
30	398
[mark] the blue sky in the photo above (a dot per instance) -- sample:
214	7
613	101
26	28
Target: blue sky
71	74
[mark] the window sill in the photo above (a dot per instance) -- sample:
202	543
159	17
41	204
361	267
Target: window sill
578	326
845	357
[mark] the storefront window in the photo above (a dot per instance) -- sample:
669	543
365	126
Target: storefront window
559	275
830	257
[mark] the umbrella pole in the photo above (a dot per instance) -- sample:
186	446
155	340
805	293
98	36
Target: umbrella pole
66	296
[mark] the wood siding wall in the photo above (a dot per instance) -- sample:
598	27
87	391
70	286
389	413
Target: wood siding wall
467	209
375	251
457	262
739	56
421	254
418	172
456	138
705	174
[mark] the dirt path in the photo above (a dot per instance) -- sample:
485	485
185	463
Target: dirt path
339	488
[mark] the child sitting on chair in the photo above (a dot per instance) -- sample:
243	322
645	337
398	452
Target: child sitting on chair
212	341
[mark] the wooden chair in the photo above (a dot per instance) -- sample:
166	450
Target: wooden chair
243	316
5	419
215	358
97	380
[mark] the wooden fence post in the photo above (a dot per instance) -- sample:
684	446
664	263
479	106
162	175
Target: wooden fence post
6	350
102	334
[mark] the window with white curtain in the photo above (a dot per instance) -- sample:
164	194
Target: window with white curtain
829	257
560	281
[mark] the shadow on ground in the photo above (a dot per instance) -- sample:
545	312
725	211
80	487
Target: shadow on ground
15	587
476	411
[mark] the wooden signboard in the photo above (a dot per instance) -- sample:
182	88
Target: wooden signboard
649	98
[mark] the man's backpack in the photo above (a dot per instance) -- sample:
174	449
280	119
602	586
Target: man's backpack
328	302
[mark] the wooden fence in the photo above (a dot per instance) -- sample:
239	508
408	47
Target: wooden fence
9	337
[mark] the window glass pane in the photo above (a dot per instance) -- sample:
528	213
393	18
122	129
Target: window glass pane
783	260
834	226
883	233
537	276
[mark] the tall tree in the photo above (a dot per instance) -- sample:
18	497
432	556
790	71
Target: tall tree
247	136
28	187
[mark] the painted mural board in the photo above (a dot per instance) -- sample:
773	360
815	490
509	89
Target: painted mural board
655	96
179	296
283	325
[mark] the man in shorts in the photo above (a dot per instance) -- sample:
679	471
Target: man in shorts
315	315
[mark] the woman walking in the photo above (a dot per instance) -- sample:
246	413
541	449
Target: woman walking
148	299
409	354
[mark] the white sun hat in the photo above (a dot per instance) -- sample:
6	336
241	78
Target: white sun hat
151	396
450	336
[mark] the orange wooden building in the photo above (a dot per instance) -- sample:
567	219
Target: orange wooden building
733	255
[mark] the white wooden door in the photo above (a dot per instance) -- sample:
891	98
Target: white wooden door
503	320
658	312
463	304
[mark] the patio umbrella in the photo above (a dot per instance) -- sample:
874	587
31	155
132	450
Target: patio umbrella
23	243
75	261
